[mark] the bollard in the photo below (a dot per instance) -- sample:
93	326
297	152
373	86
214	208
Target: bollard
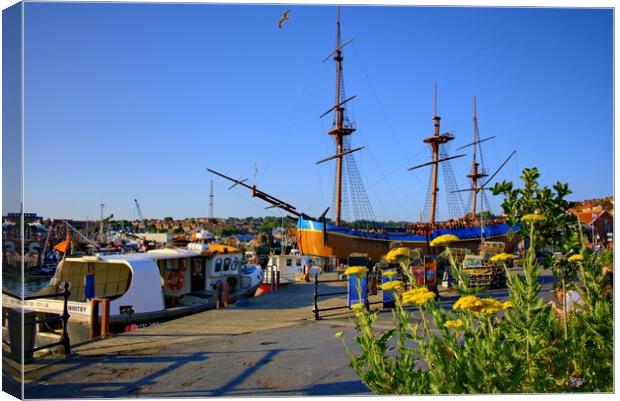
65	320
316	297
226	293
21	326
218	295
105	317
273	281
278	280
94	318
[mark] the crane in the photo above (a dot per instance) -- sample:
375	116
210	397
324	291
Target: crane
140	214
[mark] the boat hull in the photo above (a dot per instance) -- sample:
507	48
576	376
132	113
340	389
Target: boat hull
331	241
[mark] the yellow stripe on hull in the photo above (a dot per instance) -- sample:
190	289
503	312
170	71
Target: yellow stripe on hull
339	245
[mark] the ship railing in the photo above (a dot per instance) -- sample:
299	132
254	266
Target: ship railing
22	324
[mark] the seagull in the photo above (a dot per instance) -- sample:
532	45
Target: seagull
283	18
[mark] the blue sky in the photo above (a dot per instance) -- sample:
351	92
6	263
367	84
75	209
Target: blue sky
127	101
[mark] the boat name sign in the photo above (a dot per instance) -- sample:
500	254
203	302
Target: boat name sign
48	306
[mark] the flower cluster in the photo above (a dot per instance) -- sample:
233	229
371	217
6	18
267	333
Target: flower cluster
503	257
392	285
417	296
453	323
390	274
444	240
533	218
359	271
576	258
394	254
488	306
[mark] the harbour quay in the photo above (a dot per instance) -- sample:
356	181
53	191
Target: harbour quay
270	345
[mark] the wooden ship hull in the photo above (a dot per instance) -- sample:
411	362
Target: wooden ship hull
313	238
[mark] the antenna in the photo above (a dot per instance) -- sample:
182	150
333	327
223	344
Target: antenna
211	201
101	205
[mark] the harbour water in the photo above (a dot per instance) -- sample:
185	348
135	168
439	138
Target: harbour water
31	284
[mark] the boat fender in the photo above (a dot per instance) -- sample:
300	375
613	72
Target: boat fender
181	265
175	280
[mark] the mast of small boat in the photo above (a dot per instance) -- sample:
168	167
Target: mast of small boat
339	131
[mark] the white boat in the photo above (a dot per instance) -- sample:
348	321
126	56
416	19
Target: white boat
155	286
292	267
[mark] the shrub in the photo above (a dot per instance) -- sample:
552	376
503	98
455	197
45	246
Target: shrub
482	345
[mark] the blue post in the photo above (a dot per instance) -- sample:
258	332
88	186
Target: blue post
388	296
89	286
353	295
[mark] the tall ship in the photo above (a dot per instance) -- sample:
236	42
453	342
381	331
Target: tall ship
318	237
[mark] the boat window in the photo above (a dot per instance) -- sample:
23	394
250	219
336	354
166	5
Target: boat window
111	279
226	264
218	264
298	262
235	263
289	262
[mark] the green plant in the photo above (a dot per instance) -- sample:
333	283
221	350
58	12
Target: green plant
482	345
558	228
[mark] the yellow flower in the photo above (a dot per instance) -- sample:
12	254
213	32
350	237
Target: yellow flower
359	271
392	285
339	334
467	302
507	305
488	306
576	258
357	307
444	240
418	296
394	254
503	257
453	323
390	274
533	218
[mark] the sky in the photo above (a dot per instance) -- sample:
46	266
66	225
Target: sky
125	101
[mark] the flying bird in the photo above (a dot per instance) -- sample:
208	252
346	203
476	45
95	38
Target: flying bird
283	18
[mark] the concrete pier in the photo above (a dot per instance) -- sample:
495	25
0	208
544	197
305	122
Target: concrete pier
266	346
269	346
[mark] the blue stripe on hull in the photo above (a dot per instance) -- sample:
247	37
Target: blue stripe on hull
463	233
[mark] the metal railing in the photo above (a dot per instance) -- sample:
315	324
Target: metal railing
316	296
64	318
371	289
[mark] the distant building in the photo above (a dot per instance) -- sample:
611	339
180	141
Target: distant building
600	222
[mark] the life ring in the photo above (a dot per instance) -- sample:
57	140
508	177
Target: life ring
175	280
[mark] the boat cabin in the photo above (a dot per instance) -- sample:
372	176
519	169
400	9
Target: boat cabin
150	282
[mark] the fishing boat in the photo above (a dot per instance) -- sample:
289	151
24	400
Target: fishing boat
315	236
150	287
293	267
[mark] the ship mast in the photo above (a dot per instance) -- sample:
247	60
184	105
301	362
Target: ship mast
475	174
339	130
435	140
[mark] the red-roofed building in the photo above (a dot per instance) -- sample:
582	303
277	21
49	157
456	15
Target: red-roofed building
602	222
